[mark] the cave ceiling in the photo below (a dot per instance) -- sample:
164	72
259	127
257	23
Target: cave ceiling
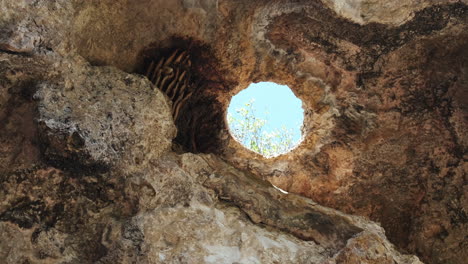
113	117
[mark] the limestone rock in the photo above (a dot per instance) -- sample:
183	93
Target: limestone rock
94	170
98	114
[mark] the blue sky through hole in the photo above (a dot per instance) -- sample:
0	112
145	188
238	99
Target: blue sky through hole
275	103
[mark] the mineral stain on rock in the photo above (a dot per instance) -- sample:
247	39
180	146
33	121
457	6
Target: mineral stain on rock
114	146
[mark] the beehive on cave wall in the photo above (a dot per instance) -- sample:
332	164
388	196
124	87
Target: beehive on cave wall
384	92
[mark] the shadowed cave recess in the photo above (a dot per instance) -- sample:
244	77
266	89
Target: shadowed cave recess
115	146
197	113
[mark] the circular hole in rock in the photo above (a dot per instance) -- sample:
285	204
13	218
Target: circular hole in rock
266	118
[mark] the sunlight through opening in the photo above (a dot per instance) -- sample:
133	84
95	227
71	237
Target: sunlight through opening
266	118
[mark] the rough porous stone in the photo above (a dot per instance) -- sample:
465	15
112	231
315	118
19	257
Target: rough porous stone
94	170
99	115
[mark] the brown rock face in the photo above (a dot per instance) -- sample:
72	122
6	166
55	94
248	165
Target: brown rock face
99	164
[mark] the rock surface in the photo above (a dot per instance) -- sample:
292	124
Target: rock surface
93	169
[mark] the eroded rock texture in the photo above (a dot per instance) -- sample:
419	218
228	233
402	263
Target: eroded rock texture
94	169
